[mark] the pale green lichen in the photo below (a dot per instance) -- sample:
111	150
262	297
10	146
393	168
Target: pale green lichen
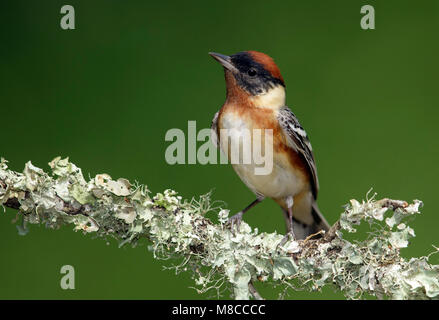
218	258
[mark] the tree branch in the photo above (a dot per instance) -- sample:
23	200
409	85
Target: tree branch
217	258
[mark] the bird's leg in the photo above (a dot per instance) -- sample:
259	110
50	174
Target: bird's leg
290	231
237	218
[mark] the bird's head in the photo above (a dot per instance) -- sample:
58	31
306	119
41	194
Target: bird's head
253	76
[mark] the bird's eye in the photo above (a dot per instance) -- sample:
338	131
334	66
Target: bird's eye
251	72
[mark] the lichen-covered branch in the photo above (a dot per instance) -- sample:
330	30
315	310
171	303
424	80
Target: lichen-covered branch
218	258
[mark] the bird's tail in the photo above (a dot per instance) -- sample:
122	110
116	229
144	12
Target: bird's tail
320	222
303	230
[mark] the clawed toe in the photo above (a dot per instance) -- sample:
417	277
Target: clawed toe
234	222
290	234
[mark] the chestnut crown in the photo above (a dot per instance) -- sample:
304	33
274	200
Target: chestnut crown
255	72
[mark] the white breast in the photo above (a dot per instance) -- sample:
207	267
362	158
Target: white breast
279	182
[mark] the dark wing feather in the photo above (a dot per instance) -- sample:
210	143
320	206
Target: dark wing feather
298	140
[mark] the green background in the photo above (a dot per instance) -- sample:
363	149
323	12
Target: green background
106	93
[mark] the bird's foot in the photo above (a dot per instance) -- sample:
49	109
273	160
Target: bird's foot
290	234
234	222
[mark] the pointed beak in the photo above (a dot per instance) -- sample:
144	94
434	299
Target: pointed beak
226	61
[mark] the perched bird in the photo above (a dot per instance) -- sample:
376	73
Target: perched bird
256	100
